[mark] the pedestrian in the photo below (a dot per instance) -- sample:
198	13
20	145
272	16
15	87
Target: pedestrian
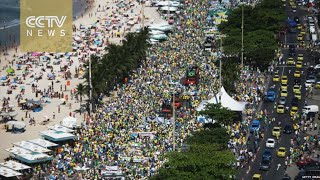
58	108
54	115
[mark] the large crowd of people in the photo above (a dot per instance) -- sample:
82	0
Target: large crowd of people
127	131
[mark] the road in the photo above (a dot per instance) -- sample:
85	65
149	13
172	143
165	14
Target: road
274	173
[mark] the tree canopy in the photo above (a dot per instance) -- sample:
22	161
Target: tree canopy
218	113
260	24
207	158
118	63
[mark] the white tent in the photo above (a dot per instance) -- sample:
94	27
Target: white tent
69	122
226	101
15	165
8	173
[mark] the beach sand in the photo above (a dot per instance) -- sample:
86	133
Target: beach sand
32	131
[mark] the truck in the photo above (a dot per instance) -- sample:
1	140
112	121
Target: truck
270	95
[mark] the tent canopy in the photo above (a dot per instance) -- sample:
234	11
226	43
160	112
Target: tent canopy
226	101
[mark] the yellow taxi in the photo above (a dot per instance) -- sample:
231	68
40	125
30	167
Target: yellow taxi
300	57
284	86
292	3
257	177
317	86
299	25
276	131
296	88
294	110
303	32
284	79
290	60
299	64
281	152
300	37
297	74
276	78
301	44
284	93
280	109
298	95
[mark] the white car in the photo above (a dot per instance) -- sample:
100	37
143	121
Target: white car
270	143
317	66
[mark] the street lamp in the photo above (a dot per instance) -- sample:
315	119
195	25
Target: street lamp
173	90
220	64
242	29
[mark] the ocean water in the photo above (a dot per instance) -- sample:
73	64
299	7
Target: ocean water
10	19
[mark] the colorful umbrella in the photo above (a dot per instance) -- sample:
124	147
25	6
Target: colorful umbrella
10	70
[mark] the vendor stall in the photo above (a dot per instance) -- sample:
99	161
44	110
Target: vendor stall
57	136
43	143
27	156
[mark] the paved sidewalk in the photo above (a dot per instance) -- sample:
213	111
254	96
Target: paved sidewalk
292	169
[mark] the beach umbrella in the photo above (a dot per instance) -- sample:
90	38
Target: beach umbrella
4	78
77	38
130	22
159	36
17	124
10	70
22	87
28	63
35	54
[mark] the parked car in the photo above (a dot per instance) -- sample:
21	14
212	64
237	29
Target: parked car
255	126
267	155
265	165
287	129
311	108
305	162
276	131
271	143
282	100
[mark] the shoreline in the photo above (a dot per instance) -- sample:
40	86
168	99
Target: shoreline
81	13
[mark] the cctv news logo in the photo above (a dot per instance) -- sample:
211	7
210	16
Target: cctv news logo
45	26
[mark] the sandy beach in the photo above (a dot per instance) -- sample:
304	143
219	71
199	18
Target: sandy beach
100	9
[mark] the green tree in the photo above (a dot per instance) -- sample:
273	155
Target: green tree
260	24
207	158
218	113
118	63
230	73
81	91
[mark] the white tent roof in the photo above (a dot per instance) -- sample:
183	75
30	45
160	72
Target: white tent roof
27	155
57	127
15	165
226	101
57	135
6	172
43	143
69	122
32	147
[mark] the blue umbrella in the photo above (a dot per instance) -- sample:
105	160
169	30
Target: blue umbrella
18	65
4	78
51	75
97	42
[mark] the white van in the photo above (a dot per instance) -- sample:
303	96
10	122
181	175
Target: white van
314	37
312	29
311	108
